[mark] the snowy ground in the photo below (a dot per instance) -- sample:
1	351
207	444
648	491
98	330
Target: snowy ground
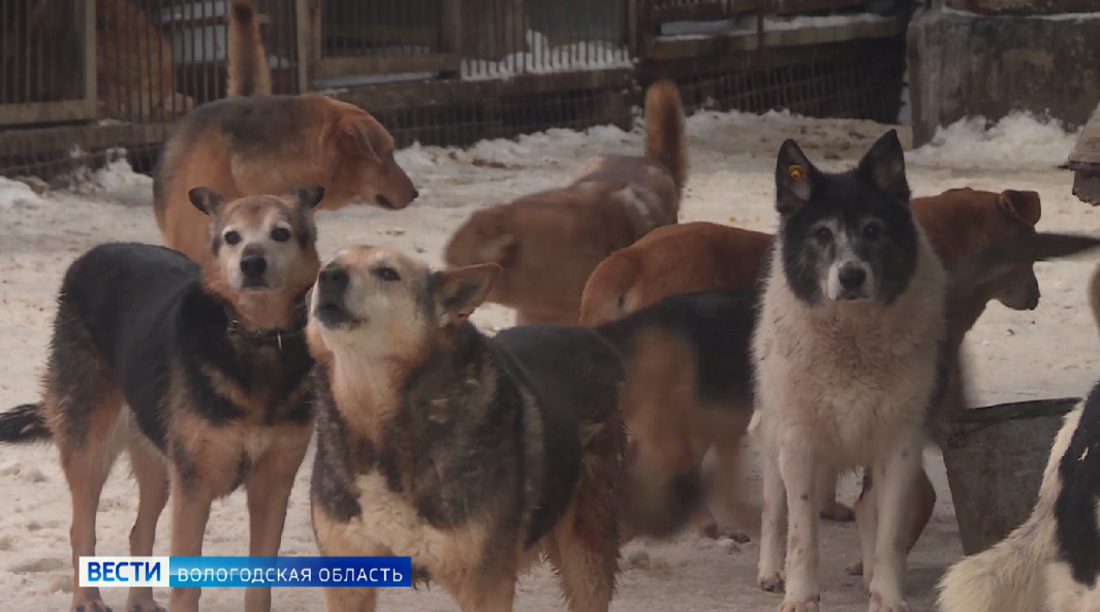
1052	351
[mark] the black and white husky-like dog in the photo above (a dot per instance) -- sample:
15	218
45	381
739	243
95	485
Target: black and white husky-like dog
850	360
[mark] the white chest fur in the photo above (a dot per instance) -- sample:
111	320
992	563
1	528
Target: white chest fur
856	375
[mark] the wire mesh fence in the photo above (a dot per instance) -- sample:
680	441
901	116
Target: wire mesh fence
81	80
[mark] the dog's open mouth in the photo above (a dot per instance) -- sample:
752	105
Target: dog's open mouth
333	314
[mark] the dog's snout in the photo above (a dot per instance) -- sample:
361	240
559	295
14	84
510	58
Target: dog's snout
383	201
253	266
852	277
333	280
415	194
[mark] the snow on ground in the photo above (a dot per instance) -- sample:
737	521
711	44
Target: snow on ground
1049	352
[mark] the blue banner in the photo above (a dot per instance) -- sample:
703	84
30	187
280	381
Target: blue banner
245	571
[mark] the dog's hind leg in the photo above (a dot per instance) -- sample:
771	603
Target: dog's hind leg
831	509
896	476
583	550
84	408
268	486
151	472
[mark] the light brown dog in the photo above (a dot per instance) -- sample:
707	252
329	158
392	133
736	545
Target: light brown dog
548	243
703	256
255	143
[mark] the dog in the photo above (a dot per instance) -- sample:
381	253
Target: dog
1050	561
687	389
702	256
471	455
853	306
254	143
549	242
211	360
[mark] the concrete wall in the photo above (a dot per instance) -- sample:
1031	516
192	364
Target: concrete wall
967	64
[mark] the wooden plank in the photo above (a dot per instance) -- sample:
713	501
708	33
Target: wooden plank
450	31
671	48
46	112
90	93
793	7
699	11
303	17
330	67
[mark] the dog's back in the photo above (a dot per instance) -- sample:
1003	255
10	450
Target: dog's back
574	377
675	259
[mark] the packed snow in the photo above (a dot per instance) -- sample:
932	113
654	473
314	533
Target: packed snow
1050	352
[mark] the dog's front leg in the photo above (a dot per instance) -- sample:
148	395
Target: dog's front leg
190	512
896	473
268	487
773	522
798	467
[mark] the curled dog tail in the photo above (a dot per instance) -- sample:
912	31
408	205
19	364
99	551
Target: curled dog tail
249	73
664	130
24	424
1009	577
605	296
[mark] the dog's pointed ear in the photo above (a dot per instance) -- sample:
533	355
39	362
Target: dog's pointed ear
884	165
1021	205
310	195
459	291
206	200
794	179
501	250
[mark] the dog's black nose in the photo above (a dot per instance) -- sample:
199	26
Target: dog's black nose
333	280
416	194
253	266
383	201
852	277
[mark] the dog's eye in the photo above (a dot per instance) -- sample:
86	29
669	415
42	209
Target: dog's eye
232	238
872	231
823	234
280	234
387	274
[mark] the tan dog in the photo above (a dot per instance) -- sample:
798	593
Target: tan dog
246	145
704	256
548	243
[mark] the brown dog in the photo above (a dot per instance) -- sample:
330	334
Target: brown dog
548	243
246	145
706	257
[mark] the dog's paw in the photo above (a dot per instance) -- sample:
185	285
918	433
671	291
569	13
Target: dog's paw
836	511
855	569
798	606
90	605
888	604
771	582
715	531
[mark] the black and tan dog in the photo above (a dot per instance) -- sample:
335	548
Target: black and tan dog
213	364
469	454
